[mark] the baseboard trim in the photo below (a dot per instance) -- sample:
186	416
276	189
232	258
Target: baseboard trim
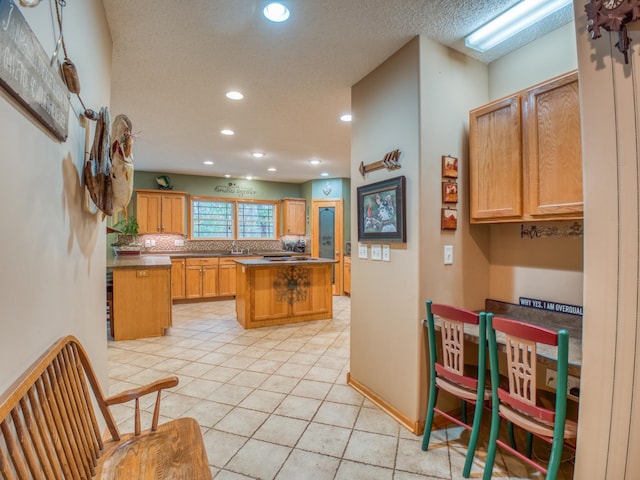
414	426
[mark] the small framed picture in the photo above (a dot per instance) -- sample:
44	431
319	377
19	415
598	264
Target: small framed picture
449	192
449	167
449	219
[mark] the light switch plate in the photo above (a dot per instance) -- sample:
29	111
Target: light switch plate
448	254
178	243
386	253
376	252
363	250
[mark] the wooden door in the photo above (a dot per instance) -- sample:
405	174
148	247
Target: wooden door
193	281
320	208
177	278
553	139
495	166
173	214
210	280
294	216
148	208
346	281
227	277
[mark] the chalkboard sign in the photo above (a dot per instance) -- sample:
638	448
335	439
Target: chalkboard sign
26	74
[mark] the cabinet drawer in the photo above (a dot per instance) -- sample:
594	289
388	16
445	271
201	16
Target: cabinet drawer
202	261
227	261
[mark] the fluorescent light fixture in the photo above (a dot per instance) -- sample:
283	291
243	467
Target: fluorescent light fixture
233	95
512	21
257	154
249	177
314	162
271	169
276	12
226	131
226	175
346	117
208	162
324	174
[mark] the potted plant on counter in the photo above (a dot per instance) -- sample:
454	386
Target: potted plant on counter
127	230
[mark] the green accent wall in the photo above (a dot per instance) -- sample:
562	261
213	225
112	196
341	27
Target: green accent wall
220	186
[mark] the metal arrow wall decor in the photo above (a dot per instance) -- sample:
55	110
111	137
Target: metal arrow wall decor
390	162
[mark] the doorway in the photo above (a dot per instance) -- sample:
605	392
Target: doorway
327	235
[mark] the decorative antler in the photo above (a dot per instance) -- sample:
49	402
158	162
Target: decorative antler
390	162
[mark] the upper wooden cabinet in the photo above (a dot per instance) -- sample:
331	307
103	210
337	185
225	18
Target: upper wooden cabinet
294	216
525	155
160	212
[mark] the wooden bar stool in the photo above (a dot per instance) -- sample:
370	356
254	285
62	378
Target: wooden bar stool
521	403
451	374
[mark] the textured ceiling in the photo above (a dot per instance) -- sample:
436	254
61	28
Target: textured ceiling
173	61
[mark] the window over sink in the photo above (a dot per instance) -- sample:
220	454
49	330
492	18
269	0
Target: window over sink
214	218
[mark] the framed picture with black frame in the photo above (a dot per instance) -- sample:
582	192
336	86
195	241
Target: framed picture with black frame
381	211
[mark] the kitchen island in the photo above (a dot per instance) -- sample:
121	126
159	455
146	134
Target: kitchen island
282	290
141	296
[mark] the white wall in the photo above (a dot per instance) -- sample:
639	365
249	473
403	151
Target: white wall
608	434
52	254
384	295
550	55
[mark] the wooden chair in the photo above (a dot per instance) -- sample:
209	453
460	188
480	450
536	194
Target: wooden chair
452	375
49	430
521	403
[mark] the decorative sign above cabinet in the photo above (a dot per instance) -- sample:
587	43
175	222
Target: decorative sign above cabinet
26	74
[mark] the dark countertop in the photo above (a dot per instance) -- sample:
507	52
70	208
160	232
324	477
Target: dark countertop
282	260
137	261
226	254
550	320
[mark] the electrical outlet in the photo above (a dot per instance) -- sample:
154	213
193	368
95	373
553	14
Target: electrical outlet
551	380
178	243
147	243
153	243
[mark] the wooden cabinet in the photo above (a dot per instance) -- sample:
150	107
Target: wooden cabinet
294	214
141	302
160	212
277	294
201	277
177	278
227	277
525	155
346	277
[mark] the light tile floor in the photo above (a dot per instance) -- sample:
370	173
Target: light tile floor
273	402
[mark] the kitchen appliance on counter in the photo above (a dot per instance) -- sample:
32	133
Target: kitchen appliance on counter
300	246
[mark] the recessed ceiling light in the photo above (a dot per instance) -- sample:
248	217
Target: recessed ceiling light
226	131
233	95
346	117
249	177
314	162
276	12
226	175
257	154
208	162
324	174
271	169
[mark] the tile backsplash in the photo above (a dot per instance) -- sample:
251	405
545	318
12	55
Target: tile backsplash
167	243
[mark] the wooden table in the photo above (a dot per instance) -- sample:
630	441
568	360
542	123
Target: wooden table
282	290
141	296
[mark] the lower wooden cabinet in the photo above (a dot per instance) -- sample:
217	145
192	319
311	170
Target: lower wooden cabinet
227	277
177	278
201	277
141	302
346	277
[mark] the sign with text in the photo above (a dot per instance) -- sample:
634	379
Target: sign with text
26	73
551	306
